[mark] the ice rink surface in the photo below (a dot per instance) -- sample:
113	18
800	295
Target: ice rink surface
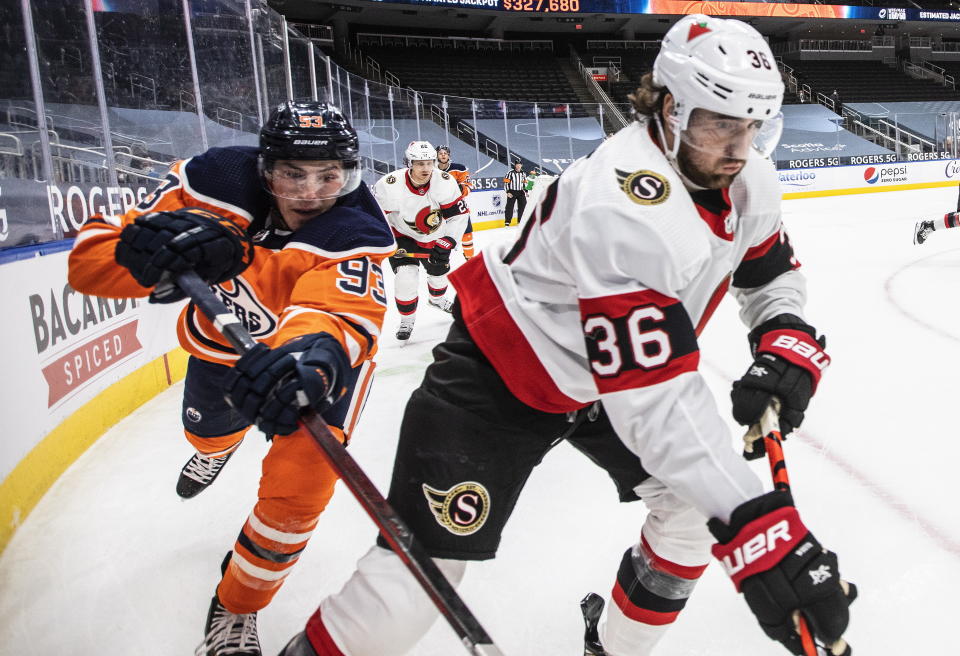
112	562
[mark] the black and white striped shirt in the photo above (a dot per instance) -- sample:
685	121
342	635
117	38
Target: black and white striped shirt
516	180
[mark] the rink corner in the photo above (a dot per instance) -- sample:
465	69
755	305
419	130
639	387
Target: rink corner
23	488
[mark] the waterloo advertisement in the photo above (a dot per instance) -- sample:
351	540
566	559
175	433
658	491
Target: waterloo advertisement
62	348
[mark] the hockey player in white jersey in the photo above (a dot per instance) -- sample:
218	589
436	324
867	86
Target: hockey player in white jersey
603	297
428	215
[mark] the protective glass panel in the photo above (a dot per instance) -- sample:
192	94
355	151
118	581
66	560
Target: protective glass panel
81	179
24	218
300	68
66	78
152	106
322	73
225	70
268	28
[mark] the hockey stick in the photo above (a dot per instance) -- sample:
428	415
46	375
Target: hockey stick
392	527
769	428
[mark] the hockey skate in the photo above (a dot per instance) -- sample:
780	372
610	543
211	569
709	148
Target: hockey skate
922	231
404	331
592	606
228	633
200	472
441	302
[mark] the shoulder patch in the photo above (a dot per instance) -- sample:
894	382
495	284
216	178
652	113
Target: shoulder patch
391	179
444	175
644	187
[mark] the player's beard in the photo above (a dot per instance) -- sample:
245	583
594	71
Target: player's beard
691	161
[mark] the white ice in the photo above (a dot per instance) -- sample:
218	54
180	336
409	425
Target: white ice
112	562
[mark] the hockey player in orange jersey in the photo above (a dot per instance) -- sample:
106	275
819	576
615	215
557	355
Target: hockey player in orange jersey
290	239
462	176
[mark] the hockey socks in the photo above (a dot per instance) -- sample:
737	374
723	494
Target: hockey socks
648	596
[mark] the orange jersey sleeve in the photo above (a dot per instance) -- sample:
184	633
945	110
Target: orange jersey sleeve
327	277
463	179
92	267
342	297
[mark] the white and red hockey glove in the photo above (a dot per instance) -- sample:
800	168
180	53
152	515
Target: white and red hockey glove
788	363
781	569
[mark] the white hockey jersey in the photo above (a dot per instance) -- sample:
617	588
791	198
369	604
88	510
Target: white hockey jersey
425	213
606	290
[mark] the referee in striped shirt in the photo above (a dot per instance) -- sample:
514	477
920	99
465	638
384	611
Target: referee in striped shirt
515	186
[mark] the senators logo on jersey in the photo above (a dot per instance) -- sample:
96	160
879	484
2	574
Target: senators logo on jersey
426	221
644	187
461	509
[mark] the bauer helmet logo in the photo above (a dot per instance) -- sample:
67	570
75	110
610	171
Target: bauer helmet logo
461	509
644	187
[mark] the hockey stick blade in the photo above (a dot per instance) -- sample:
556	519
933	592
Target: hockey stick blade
443	595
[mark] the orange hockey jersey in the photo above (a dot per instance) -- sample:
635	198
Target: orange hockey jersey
325	277
461	175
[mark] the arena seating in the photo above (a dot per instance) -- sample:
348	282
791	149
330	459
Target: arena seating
528	77
867	81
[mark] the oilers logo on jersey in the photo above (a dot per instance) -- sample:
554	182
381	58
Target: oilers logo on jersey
237	295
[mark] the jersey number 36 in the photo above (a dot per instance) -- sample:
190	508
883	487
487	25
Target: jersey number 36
620	340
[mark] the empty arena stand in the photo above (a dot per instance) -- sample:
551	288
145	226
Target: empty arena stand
867	81
510	76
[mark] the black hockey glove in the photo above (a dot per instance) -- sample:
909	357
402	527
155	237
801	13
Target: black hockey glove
781	568
439	261
271	386
159	245
789	360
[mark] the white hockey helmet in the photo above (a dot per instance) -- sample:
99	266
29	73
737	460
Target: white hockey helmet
724	66
417	151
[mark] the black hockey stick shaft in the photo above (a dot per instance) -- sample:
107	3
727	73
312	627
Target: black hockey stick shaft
392	527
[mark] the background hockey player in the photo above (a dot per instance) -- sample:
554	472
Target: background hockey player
308	285
428	215
603	295
462	175
923	229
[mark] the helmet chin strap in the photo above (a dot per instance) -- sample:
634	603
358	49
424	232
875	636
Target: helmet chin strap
671	154
674	149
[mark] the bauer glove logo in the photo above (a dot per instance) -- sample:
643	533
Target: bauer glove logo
820	574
